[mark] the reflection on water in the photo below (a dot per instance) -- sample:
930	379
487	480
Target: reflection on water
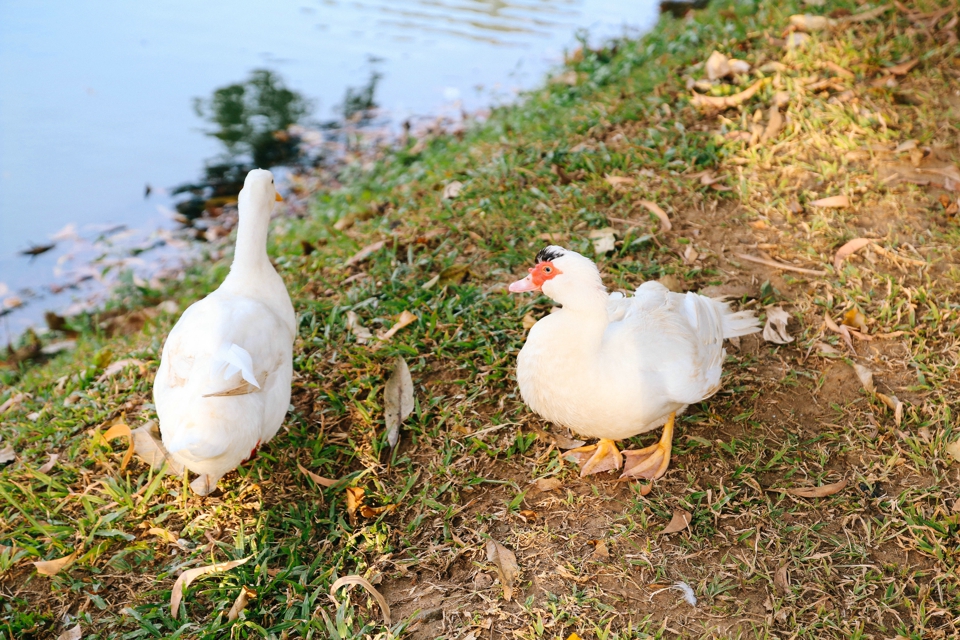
97	97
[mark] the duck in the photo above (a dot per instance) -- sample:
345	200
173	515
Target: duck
610	366
222	389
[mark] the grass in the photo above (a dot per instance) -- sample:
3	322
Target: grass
878	559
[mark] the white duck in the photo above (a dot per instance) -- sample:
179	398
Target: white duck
611	367
223	386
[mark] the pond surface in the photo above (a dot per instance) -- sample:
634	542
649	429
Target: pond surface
96	102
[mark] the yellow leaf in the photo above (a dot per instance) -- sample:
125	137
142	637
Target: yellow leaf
363	582
187	577
53	567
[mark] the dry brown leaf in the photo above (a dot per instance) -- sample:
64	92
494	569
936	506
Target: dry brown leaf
600	551
188	576
795	40
365	253
246	595
360	332
527	514
774	124
849	249
717	66
725	102
363	582
354	500
53	567
120	430
837	69
775	330
529	321
865	376
817	492
895	405
833	202
71	634
405	319
549	484
782	579
903	68
680	521
320	480
953	449
506	563
618	181
7	454
398	401
373	512
452	190
119	366
148	446
655	209
843	330
49	464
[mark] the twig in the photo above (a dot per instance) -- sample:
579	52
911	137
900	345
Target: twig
779	265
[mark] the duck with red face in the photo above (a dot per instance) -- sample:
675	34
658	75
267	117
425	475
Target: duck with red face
612	367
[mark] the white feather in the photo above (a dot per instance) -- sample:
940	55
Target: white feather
232	358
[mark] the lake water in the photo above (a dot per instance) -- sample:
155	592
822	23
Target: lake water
96	100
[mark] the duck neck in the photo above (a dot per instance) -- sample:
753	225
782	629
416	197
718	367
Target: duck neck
250	254
588	308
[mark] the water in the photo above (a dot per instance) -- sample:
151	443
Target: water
96	100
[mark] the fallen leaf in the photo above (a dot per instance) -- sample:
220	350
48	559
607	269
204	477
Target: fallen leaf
405	319
843	330
53	567
398	400
781	579
549	484
188	576
529	321
655	209
817	492
354	500
148	446
725	102
452	190
528	514
7	454
558	439
863	16
119	366
246	594
12	401
774	124
903	68
162	533
49	464
431	282
121	430
600	551
775	330
865	376
680	521
848	250
454	274
796	40
895	405
953	449
372	512
837	69
320	480
365	253
833	202
854	318
807	22
71	634
506	563
618	181
360	332
363	582
604	240
717	66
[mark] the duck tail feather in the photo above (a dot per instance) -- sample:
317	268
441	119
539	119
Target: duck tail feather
230	359
738	323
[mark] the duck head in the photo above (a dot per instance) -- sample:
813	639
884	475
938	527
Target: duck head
563	275
259	191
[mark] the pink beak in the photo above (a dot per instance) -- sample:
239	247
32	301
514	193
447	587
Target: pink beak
523	285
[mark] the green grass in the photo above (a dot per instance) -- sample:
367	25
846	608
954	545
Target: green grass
877	559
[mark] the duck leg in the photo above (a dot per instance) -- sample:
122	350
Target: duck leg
651	462
605	457
204	484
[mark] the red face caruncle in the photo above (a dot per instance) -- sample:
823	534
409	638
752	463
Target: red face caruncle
542	272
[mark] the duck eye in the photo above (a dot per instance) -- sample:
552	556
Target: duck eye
547	269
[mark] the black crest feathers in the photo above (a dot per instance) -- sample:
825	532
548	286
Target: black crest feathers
548	254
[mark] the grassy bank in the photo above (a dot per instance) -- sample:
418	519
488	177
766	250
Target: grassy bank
876	558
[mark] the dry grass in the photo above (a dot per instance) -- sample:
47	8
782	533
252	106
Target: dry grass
877	559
